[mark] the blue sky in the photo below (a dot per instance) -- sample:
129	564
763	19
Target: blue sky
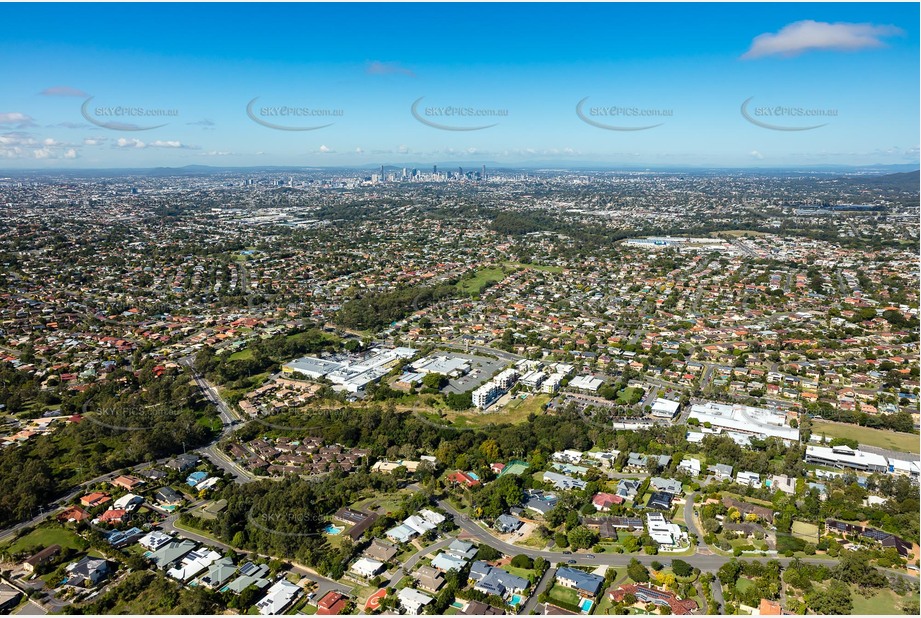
854	68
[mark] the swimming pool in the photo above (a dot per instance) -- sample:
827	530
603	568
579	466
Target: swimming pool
334	530
586	605
516	600
457	604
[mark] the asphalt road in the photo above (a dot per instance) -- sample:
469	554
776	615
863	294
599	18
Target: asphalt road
710	563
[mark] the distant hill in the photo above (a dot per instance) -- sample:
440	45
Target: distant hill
901	181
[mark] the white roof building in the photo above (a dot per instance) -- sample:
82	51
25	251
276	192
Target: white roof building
586	383
665	408
744	420
367	567
193	563
662	531
846	457
412	600
278	597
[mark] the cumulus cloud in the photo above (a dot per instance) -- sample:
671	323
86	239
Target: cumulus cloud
377	67
17	119
324	149
358	150
809	35
63	91
754	154
94	141
133	142
21	145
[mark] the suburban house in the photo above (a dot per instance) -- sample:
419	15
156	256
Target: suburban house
367	567
661	500
332	603
381	550
87	571
493	580
587	584
39	558
278	597
94	499
128	483
429	578
604	501
413	600
506	524
668	485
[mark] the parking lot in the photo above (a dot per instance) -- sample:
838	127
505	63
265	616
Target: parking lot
481	370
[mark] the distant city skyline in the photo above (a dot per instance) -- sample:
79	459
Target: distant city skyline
657	85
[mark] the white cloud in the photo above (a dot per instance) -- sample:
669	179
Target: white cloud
167	144
358	150
756	155
132	142
325	149
807	35
16	118
124	142
94	141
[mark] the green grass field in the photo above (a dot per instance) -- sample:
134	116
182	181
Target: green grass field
44	536
629	395
885	602
482	277
244	354
882	438
807	532
564	595
513	413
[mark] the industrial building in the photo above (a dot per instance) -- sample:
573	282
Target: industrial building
353	372
739	419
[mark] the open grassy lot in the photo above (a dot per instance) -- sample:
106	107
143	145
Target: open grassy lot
480	279
884	602
629	395
882	438
244	354
44	536
513	413
807	532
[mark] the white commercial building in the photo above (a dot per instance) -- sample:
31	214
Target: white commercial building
586	383
665	408
760	422
846	457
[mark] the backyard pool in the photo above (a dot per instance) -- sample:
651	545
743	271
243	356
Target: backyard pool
586	605
331	529
516	600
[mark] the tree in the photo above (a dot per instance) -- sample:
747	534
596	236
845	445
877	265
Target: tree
581	537
836	600
682	568
637	571
434	380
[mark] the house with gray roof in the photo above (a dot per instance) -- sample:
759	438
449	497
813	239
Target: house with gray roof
170	553
219	572
587	583
670	485
493	580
